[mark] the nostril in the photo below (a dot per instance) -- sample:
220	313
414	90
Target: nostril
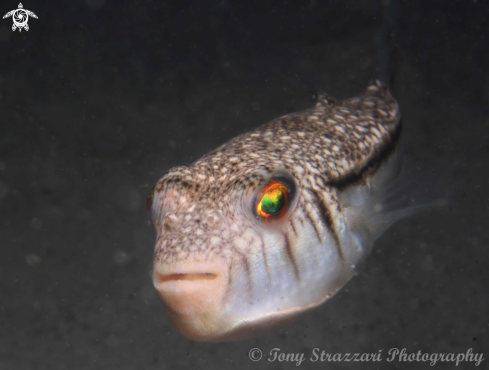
171	222
214	221
187	277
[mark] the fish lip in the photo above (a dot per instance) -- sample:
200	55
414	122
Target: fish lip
180	273
193	294
189	276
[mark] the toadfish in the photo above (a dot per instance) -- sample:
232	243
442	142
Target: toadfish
273	223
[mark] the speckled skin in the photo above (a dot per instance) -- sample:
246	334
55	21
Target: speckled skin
269	272
323	148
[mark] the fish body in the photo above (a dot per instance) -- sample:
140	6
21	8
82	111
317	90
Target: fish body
274	222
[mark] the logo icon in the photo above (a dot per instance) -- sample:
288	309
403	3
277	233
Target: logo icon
20	17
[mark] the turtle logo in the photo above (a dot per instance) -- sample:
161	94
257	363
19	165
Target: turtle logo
20	17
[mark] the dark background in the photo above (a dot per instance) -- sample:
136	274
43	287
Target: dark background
100	97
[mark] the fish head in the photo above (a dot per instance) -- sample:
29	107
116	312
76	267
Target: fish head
240	254
267	226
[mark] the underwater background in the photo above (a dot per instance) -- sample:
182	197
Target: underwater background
100	98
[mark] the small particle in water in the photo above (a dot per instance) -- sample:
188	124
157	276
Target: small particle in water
120	258
84	214
413	304
112	341
95	4
5	35
36	223
32	259
128	198
3	190
147	293
428	263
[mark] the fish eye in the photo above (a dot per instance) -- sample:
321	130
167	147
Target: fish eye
273	201
149	199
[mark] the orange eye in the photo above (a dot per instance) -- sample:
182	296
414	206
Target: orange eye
273	201
149	199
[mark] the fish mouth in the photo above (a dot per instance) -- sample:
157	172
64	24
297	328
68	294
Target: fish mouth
162	278
193	295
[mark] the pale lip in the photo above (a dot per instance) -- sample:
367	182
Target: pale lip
165	278
192	293
199	272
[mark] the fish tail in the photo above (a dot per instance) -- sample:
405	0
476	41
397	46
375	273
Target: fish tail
394	193
413	190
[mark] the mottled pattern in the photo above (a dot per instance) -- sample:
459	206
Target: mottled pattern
262	274
323	148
